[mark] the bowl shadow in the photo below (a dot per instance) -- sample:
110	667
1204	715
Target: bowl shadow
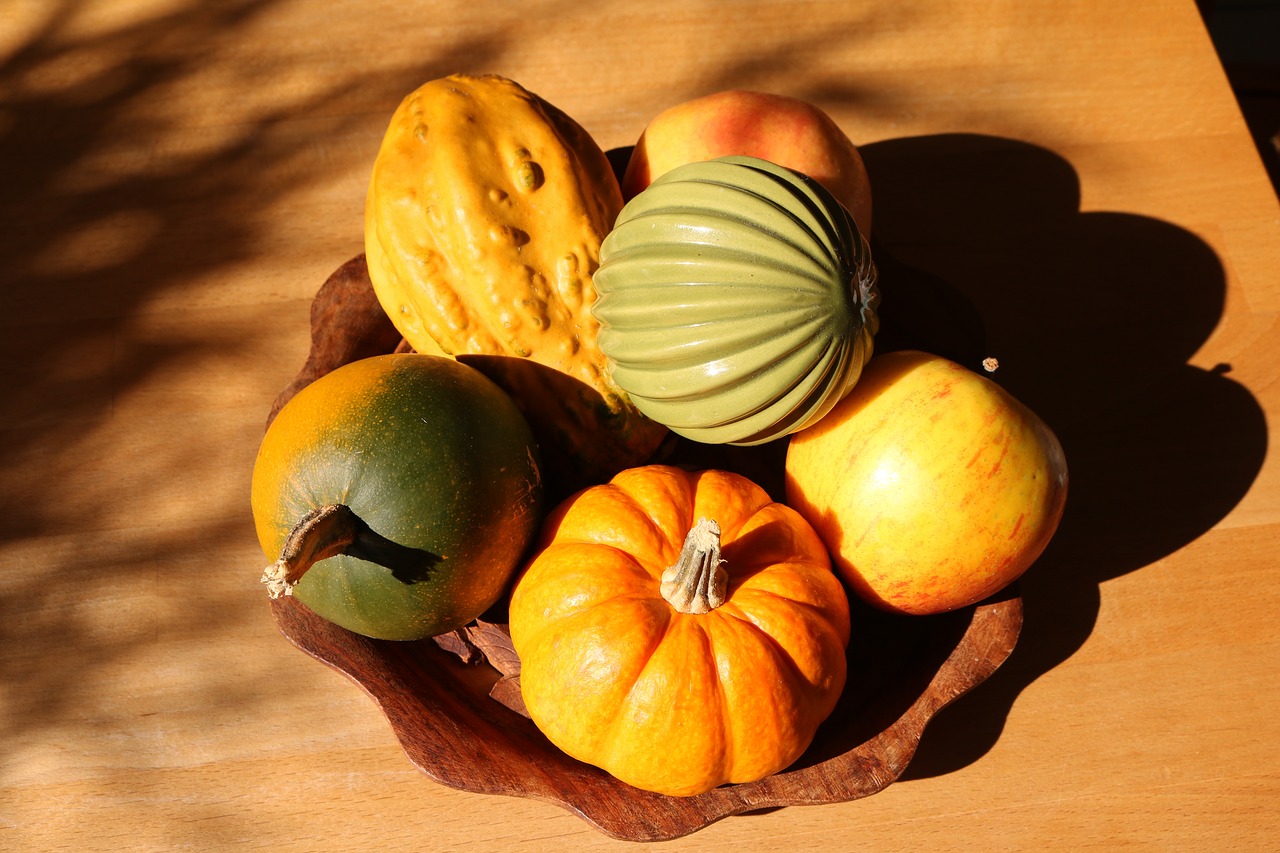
1092	317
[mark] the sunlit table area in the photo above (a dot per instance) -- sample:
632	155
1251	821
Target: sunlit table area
178	179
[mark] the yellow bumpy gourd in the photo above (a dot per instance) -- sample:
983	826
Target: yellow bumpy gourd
483	224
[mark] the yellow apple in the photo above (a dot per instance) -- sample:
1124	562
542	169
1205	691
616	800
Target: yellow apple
932	487
783	130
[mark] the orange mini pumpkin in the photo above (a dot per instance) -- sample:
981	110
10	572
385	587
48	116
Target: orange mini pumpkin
680	630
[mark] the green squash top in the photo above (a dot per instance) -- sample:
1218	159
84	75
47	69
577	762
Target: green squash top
737	301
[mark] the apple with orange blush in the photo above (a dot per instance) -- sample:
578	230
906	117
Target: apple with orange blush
931	485
783	130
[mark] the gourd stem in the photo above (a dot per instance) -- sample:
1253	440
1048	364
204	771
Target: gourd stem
698	580
322	533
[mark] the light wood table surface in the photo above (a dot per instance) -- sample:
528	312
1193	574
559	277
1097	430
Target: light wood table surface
177	179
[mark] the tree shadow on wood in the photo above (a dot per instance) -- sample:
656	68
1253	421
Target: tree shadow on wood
114	192
1092	316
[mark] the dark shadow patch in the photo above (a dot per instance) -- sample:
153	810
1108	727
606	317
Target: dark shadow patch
1092	317
407	565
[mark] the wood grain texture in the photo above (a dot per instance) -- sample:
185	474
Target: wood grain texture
347	324
179	178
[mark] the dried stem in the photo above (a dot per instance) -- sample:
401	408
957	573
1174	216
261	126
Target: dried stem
698	580
322	533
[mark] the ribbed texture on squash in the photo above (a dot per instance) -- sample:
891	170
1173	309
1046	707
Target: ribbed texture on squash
737	301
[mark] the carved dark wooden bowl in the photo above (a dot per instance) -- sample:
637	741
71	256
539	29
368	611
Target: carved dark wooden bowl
902	672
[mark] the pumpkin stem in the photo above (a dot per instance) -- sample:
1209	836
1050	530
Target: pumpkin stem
698	580
322	533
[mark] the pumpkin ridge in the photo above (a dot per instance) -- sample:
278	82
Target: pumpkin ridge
822	616
784	661
540	643
548	569
670	546
620	745
724	710
731	517
773	656
572	527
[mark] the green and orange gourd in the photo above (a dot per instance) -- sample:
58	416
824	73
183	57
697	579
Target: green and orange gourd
396	495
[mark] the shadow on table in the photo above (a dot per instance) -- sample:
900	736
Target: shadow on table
115	191
1092	316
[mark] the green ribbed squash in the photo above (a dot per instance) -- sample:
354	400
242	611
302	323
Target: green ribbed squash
737	301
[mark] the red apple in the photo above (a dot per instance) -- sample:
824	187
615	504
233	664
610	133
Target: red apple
931	485
777	128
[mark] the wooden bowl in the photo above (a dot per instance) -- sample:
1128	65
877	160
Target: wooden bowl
902	672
